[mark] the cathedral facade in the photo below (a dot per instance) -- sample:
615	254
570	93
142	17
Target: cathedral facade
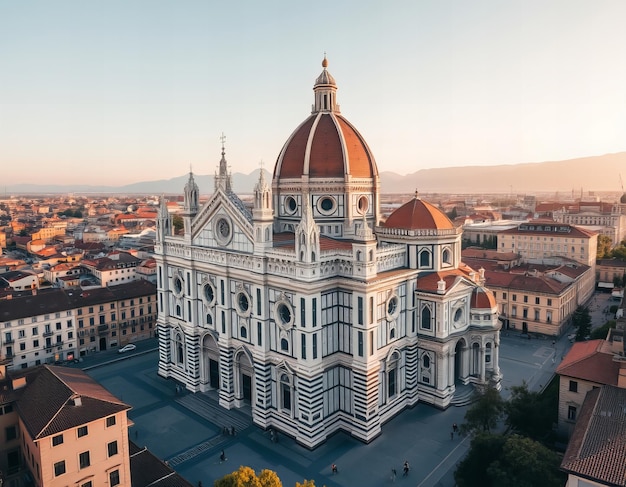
309	308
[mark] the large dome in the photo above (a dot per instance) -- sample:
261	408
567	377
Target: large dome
623	198
325	145
418	214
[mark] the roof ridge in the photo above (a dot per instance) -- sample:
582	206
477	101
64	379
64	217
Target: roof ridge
53	417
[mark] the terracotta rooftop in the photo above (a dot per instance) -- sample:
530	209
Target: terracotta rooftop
418	214
48	405
587	361
597	448
287	240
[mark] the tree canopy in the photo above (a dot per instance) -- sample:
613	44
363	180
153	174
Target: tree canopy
500	461
582	322
246	477
530	413
483	415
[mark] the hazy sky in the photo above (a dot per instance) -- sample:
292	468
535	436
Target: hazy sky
118	91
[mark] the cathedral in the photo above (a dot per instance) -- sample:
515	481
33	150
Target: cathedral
309	308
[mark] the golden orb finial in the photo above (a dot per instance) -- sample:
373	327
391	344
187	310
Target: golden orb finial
325	62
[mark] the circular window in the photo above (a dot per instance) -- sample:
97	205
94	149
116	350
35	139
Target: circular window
362	205
223	231
243	303
208	293
393	307
178	286
284	314
326	205
290	205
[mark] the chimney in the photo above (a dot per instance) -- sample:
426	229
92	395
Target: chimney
78	401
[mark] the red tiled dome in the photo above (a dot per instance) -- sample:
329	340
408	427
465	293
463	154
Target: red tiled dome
482	299
325	145
418	214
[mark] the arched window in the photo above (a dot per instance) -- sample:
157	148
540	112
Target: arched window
209	319
178	310
284	344
392	334
179	348
446	257
243	332
488	353
426	318
285	392
358	255
426	361
424	258
392	376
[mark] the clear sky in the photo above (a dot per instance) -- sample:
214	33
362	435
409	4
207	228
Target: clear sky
119	91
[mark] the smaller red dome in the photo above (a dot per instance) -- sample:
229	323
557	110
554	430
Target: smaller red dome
482	299
418	214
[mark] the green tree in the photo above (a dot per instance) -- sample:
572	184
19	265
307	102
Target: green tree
531	413
525	463
601	332
604	246
483	415
177	223
484	450
582	322
246	477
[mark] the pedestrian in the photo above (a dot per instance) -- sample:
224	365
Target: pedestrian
452	435
333	468
199	483
232	431
222	457
455	428
405	469
393	474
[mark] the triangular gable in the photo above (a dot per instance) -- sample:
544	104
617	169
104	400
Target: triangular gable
221	208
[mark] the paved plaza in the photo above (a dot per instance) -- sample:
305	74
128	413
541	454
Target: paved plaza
187	429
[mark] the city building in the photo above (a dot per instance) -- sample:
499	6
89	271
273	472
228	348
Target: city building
605	218
597	448
62	428
539	239
311	310
55	325
116	268
587	366
73	431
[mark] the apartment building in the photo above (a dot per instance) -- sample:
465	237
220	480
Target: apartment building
607	218
73	431
55	325
117	268
114	316
587	366
540	239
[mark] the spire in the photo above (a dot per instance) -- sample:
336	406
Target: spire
325	91
191	195
163	221
307	235
223	178
365	232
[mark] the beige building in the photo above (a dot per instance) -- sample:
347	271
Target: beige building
74	432
587	366
540	239
609	218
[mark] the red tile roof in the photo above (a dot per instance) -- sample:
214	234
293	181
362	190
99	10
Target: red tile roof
418	214
49	404
597	448
586	361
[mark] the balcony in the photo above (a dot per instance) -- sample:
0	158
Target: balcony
48	333
9	340
102	328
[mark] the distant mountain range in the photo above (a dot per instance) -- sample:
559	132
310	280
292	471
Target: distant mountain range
596	173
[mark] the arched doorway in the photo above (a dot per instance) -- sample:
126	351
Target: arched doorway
211	361
244	374
460	371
